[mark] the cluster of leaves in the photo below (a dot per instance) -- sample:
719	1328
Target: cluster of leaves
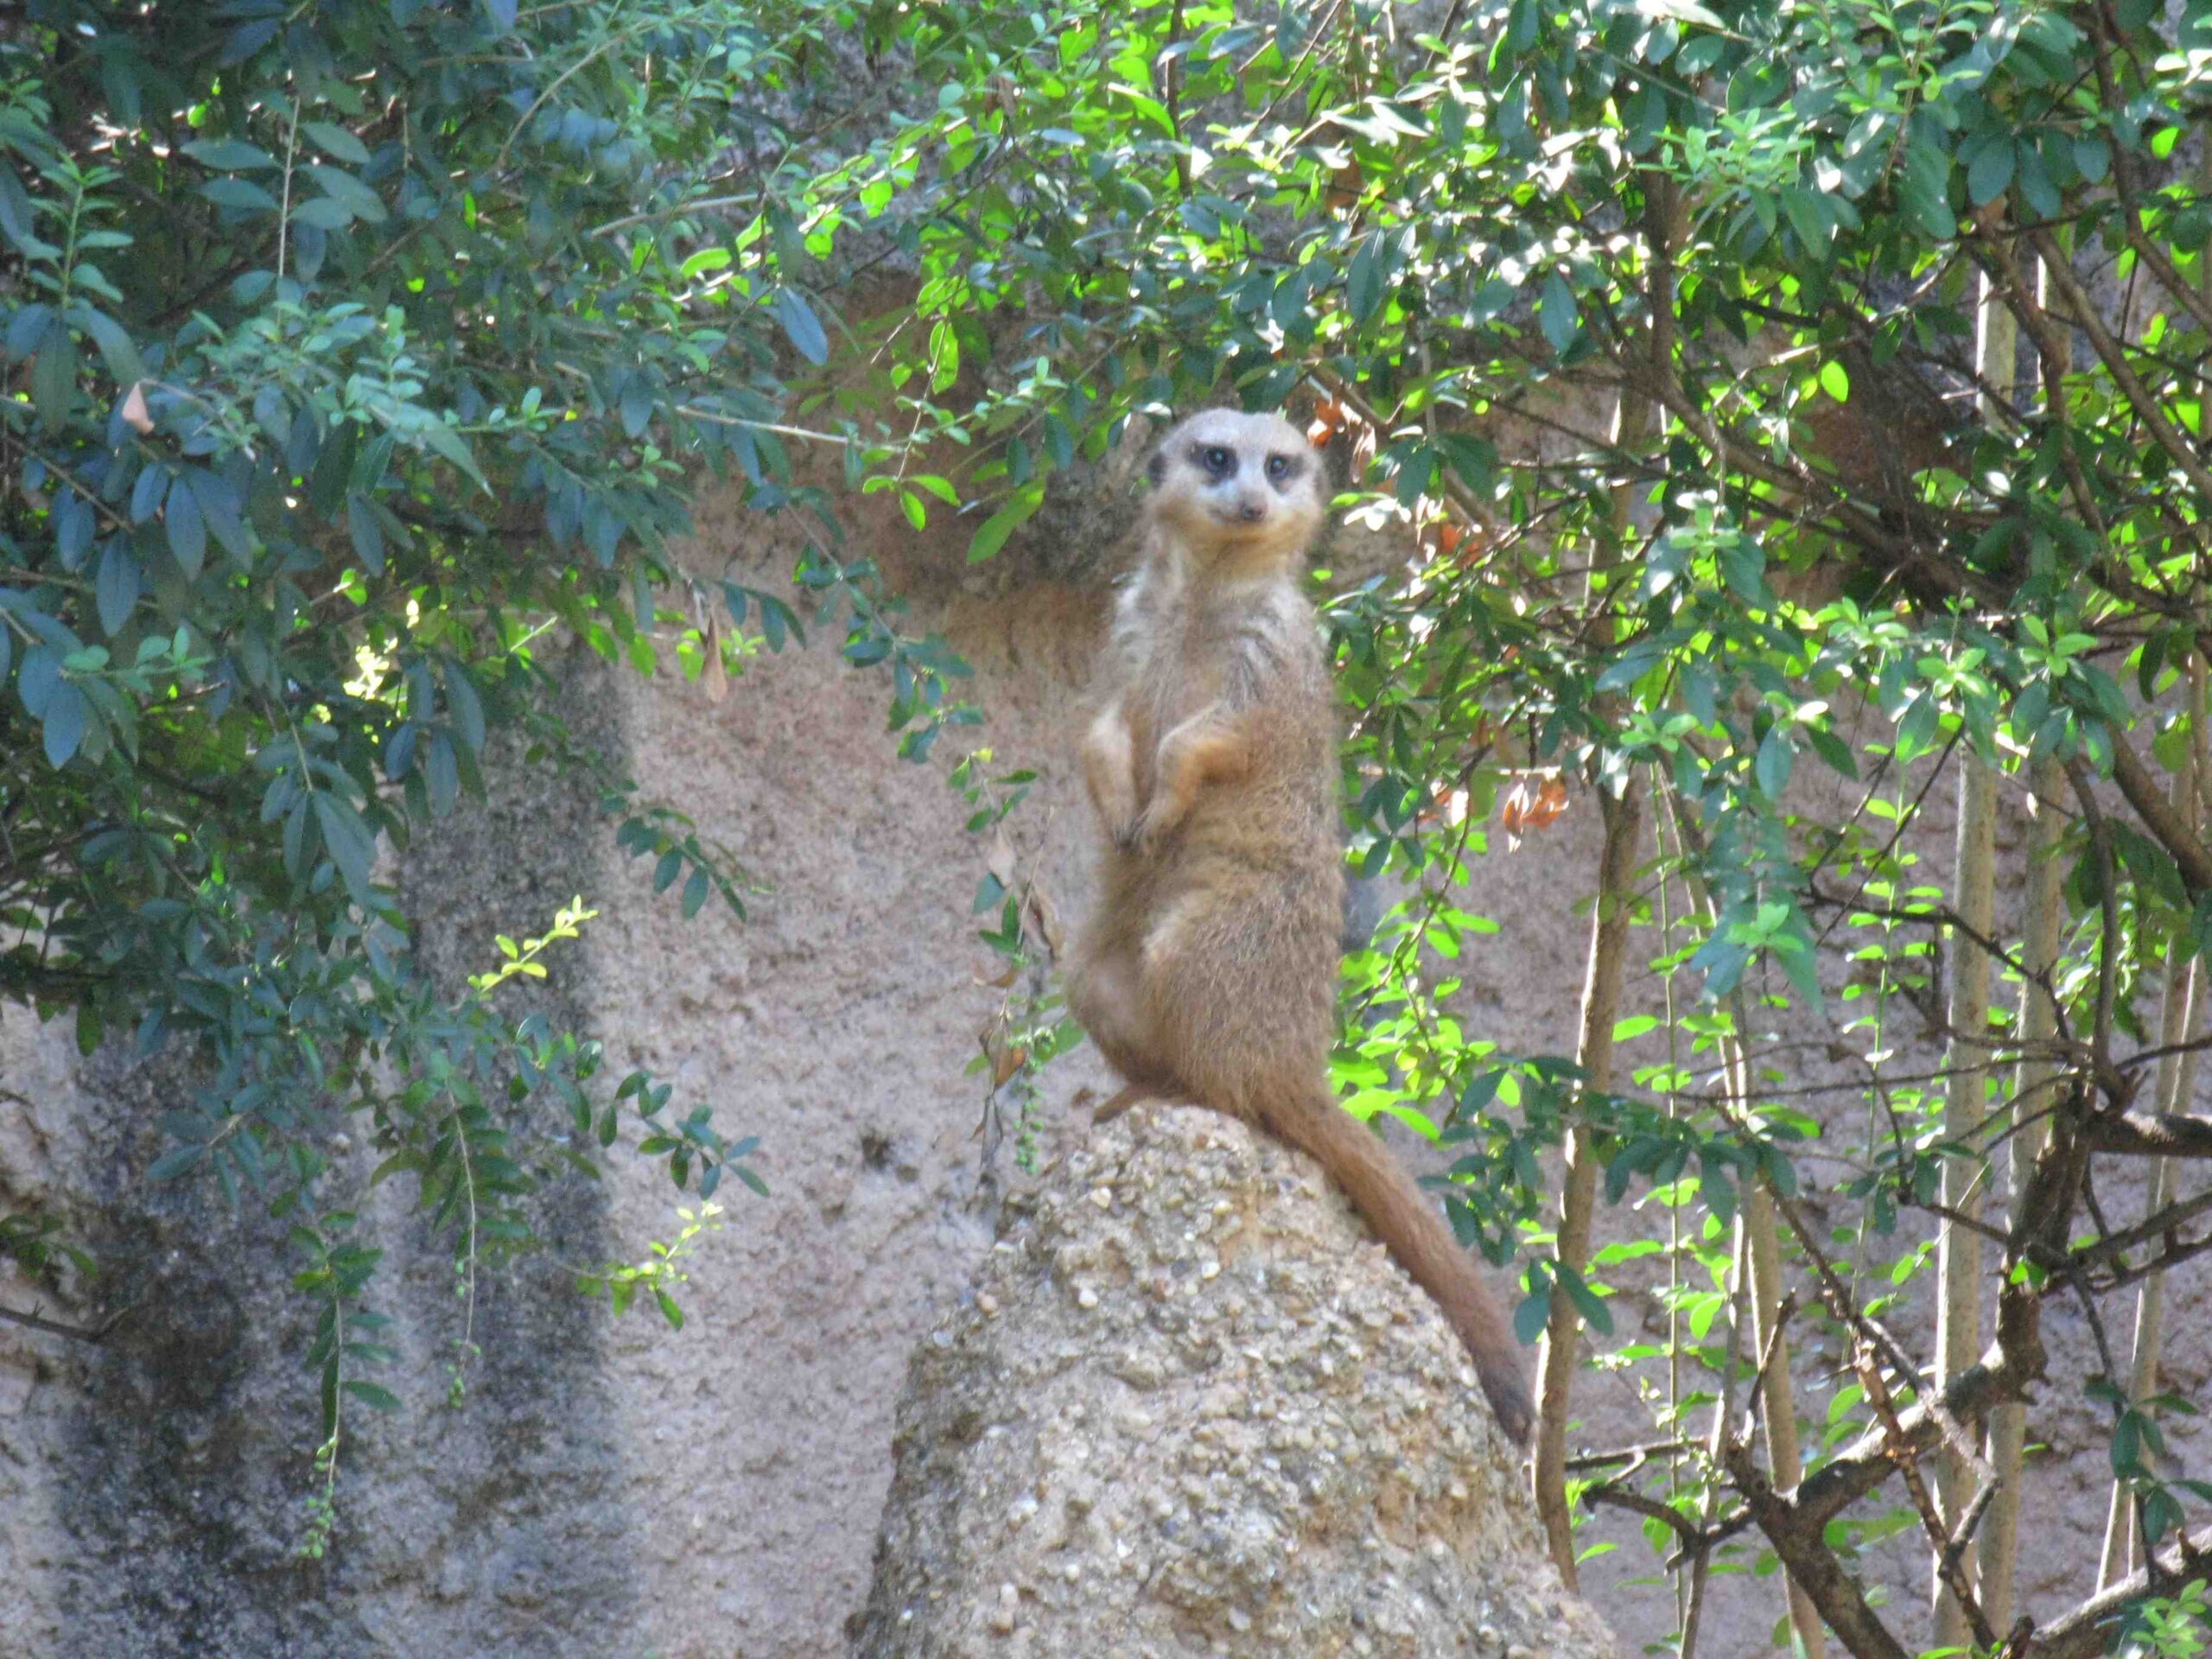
362	356
1709	279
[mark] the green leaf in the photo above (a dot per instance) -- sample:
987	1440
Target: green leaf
349	840
188	530
801	325
53	377
229	155
175	1162
343	187
1773	763
1924	188
443	439
116	586
371	1394
1530	1317
1595	1313
1556	313
17	218
335	140
1363	281
241	194
365	533
116	349
324	213
992	534
1992	172
218	508
67	713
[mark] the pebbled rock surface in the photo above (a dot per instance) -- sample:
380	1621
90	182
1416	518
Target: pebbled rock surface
1191	1407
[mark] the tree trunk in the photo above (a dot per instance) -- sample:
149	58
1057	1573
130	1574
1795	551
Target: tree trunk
1636	424
2033	1091
1966	1067
1601	991
1759	1252
1996	1546
2175	1083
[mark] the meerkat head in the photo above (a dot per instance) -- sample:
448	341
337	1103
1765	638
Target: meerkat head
1245	488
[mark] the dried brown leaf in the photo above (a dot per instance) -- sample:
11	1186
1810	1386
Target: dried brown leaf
714	678
1042	919
1002	862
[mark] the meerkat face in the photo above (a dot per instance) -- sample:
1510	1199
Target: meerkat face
1239	484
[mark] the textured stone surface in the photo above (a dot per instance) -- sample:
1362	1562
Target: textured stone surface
152	1486
1191	1402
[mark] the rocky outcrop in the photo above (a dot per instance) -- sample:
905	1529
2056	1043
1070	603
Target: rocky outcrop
1191	1408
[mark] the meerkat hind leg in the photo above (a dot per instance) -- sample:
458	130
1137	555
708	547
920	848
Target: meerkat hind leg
1104	997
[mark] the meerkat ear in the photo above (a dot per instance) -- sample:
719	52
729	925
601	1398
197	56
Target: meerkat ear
1156	468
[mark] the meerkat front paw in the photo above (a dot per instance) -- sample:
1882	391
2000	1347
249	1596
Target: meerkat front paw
1151	827
1120	819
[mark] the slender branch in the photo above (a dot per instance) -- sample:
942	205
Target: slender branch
2168	1220
2171	829
56	1328
2126	187
2077	772
2086	317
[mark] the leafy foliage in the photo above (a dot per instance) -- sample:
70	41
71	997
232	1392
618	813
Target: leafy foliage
1654	332
359	354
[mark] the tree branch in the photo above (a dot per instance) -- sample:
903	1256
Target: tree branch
2081	1634
56	1328
2149	1134
2160	818
1797	1539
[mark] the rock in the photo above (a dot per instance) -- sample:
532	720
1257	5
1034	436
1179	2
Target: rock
1210	1416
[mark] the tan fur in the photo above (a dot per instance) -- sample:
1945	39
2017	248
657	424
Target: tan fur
1208	968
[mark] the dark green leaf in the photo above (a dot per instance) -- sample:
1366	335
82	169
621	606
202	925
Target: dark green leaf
116	587
801	325
188	530
63	726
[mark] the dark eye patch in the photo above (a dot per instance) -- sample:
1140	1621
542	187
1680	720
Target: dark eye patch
1214	460
1283	469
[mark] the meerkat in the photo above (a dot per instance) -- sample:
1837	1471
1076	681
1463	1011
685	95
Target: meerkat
1207	970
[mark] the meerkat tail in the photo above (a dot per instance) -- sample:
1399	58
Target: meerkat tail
1407	1221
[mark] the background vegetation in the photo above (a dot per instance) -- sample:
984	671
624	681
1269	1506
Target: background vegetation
1755	392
